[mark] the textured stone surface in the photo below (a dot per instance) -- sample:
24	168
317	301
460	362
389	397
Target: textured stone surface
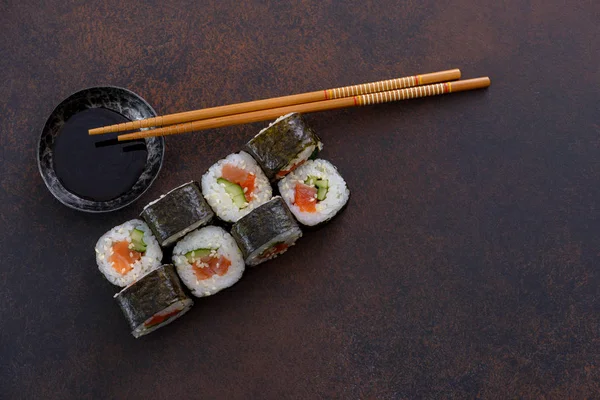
466	264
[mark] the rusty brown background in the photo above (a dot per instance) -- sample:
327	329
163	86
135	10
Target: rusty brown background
466	264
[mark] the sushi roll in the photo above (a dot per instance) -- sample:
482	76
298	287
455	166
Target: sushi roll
127	252
153	301
176	213
266	232
235	186
208	260
284	145
315	192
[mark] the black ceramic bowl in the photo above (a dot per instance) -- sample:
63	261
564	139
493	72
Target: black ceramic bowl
121	101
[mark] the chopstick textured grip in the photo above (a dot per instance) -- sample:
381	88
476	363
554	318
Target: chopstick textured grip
361	100
373	87
404	94
129	126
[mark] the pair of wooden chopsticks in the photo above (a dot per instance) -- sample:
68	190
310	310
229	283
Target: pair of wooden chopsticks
409	87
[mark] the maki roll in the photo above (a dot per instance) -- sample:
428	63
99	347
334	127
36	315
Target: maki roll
315	192
208	260
235	186
266	232
155	300
284	145
127	252
176	213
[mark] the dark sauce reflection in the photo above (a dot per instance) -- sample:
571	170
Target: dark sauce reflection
98	167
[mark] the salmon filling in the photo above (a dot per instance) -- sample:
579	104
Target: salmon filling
284	172
305	197
123	257
208	266
277	249
158	318
241	177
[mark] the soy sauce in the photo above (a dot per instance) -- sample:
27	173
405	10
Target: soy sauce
97	168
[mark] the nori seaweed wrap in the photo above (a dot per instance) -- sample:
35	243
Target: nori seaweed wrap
176	213
284	145
266	232
153	301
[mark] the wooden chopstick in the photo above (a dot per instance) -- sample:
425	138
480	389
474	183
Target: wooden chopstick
360	100
275	102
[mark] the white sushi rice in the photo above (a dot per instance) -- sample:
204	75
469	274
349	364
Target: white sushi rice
220	201
337	192
182	306
210	237
150	259
289	238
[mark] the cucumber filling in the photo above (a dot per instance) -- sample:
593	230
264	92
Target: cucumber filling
322	186
137	241
235	191
197	254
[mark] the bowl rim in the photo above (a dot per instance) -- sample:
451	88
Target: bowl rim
120	206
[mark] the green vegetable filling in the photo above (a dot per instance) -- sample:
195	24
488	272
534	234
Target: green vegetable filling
235	191
197	254
137	240
314	154
322	186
